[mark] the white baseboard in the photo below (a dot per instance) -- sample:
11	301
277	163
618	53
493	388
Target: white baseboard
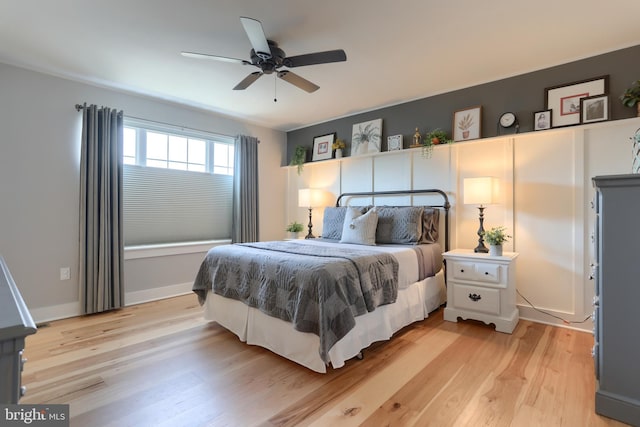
138	297
72	309
529	313
55	312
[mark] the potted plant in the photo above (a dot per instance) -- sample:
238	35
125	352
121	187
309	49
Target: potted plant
435	137
298	158
294	228
631	97
338	146
495	238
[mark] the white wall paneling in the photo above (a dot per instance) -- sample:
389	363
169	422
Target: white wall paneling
545	189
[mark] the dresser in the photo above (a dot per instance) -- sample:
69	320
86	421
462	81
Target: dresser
616	274
15	324
482	287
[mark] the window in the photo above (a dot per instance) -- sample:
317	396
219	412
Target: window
177	184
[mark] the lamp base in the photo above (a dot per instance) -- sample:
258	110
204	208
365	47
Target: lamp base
310	226
481	248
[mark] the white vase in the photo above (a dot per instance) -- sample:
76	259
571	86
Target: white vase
495	250
293	235
338	153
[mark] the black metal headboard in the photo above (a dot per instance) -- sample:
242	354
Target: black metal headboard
444	206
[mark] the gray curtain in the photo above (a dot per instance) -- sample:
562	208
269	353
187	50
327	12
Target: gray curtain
244	226
101	243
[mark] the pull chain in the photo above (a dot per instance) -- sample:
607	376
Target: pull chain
275	89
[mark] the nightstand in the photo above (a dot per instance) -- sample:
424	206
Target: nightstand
482	287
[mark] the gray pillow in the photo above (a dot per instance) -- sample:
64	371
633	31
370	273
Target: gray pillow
399	225
430	225
359	228
333	221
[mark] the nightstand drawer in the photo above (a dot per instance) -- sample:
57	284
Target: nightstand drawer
478	272
477	298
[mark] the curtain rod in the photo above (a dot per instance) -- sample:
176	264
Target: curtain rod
80	107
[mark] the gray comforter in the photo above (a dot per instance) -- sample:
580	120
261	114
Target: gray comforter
319	289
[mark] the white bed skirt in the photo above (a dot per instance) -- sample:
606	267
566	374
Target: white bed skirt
414	303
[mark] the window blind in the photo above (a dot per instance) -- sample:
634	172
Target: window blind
171	206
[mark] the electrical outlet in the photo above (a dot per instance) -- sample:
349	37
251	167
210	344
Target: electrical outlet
65	273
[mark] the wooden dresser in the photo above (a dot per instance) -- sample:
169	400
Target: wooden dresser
15	324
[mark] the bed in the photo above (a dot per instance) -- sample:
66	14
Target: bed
320	302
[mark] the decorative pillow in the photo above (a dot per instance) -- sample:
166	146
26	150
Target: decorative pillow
334	220
359	228
430	225
399	225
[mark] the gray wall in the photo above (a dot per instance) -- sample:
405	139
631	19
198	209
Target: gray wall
39	182
523	95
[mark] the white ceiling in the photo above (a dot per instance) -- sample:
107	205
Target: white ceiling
396	51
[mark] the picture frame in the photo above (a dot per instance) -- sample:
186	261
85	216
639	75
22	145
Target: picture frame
564	100
594	109
322	147
366	137
394	143
543	120
467	124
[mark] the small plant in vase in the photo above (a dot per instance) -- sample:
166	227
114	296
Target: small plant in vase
631	97
495	238
298	158
435	137
338	146
294	228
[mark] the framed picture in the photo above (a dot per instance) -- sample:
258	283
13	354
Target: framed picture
542	120
467	124
366	137
594	109
322	147
564	100
394	143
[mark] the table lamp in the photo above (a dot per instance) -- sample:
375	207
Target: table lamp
311	198
480	191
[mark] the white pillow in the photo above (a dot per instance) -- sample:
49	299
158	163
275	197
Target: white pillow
358	228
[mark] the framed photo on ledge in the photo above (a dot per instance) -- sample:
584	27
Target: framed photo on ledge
594	109
564	100
542	120
467	124
322	149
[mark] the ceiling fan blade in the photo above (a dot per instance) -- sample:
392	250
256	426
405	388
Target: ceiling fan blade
315	58
248	80
258	40
214	57
298	81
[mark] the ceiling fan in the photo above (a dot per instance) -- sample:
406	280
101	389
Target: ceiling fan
269	58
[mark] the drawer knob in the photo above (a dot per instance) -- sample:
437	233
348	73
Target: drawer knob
23	391
475	297
486	273
462	270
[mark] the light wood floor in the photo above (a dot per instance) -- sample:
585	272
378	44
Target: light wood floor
161	364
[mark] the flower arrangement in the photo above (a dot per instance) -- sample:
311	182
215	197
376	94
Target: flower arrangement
496	236
338	145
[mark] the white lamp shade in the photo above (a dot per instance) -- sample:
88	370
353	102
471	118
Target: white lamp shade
312	198
480	191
